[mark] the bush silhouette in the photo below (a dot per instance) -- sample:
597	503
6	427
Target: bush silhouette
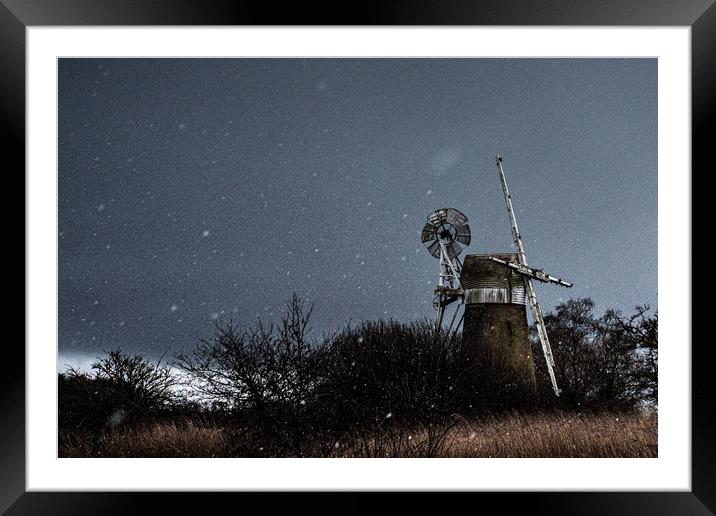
120	388
607	362
274	390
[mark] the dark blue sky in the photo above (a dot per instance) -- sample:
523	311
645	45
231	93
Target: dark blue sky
192	190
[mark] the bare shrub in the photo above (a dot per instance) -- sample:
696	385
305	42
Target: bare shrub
267	376
383	372
120	388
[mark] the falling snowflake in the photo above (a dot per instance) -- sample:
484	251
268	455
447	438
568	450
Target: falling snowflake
205	233
116	418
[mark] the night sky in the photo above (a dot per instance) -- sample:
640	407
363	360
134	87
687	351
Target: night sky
193	191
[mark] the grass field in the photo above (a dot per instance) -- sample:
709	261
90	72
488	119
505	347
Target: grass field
517	435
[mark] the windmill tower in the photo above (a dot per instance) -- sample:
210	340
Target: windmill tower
495	290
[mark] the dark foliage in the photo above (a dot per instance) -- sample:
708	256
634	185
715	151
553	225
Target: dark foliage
121	388
294	394
607	362
267	377
388	370
276	392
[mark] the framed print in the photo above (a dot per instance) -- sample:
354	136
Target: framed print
278	252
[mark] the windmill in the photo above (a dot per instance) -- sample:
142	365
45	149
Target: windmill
445	235
494	289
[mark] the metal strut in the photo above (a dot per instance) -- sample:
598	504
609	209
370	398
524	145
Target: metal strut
522	260
448	290
532	272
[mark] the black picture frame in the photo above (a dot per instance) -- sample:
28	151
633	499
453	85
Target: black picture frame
16	15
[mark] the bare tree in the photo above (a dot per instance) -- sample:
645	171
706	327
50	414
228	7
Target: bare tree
641	333
602	362
267	375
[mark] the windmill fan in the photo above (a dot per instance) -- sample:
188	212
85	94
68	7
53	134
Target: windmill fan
446	226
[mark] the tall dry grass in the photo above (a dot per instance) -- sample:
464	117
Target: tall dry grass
151	441
562	435
534	435
518	435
